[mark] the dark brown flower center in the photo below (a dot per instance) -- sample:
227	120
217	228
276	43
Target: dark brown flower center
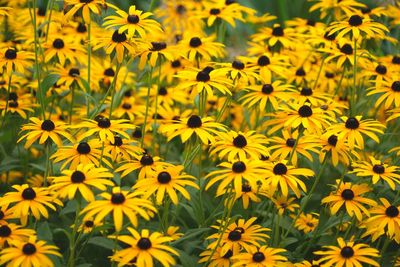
109	72
263	61
277	31
392	211
355	20
162	91
47	125
5	231
11	54
58	43
305	111
77	177
146	160
195	42
246	188
29	249
352	123
300	72
378	169
203	76
117	198
347	194
290	142
117	141
103	122
28	194
164	177
267	89
332	140
258	257
158	46
347	252
144	243
215	11
83	148
396	60
346	49
240	141
234	235
176	64
305	91
133	19
237	65
74	72
280	169
194	122
396	86
89	223
238	167
118	37
81	28
381	69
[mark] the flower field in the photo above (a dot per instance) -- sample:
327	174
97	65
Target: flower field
199	133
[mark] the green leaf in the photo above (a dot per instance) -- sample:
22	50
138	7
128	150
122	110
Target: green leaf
190	234
186	260
49	81
44	231
103	242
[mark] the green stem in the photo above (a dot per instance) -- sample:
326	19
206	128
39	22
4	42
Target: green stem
353	89
308	197
71	107
147	107
37	60
50	8
47	170
73	241
114	83
156	105
7	101
89	51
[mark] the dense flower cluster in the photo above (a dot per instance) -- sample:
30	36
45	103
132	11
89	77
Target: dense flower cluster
199	133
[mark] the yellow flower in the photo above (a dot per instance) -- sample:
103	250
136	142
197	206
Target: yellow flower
307	222
135	21
119	202
349	195
348	254
82	179
11	59
166	180
43	130
260	257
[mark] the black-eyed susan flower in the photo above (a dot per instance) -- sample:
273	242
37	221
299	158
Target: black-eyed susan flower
166	181
5	214
29	253
336	7
239	145
193	47
234	174
134	21
204	128
14	106
10	232
119	43
241	234
248	194
295	115
239	71
284	203
389	90
144	248
156	52
337	148
384	218
11	59
260	257
348	254
292	143
277	36
357	26
307	222
87	6
207	80
88	226
215	258
351	129
262	95
122	149
81	153
120	203
43	130
145	163
82	180
105	128
286	176
172	232
349	195
63	48
377	170
30	201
